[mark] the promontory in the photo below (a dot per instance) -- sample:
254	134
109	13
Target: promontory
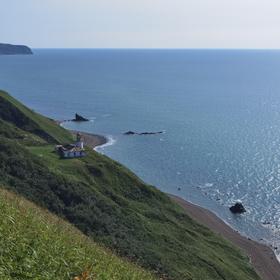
8	49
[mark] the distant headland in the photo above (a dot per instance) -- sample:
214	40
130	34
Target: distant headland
8	49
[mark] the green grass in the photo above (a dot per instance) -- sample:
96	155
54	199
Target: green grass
16	113
37	245
112	206
12	132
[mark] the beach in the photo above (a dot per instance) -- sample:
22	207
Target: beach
91	140
261	256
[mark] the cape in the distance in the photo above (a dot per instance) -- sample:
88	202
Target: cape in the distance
8	49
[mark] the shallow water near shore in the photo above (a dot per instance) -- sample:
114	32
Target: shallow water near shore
220	111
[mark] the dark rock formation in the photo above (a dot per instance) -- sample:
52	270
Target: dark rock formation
142	133
237	208
7	49
129	133
150	133
79	118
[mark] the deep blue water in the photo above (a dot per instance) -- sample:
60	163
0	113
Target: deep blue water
220	111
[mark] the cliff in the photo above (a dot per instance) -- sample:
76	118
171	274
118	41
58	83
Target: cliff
8	49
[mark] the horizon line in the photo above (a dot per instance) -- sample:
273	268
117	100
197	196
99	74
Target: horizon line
152	48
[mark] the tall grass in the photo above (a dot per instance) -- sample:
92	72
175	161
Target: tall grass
37	245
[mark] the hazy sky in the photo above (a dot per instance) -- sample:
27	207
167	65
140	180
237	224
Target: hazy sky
141	23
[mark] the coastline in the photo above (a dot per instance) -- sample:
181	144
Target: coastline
261	256
92	140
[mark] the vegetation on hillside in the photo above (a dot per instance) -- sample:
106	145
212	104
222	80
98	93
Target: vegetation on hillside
13	111
37	245
10	131
114	207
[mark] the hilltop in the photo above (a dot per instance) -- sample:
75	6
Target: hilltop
8	49
109	203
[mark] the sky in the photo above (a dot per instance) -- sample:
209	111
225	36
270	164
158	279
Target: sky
141	23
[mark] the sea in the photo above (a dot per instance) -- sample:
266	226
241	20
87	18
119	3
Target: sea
219	111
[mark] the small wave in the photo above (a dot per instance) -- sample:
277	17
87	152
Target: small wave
110	141
106	115
270	179
205	186
277	256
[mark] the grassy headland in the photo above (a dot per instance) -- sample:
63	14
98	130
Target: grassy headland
22	117
110	204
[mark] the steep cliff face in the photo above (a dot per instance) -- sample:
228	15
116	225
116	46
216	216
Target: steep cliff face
14	49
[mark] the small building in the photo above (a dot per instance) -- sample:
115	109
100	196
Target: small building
72	150
79	142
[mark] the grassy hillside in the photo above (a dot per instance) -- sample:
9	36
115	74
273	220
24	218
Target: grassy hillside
112	206
10	131
13	111
37	245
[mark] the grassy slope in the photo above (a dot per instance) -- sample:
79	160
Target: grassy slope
26	119
10	131
110	204
59	250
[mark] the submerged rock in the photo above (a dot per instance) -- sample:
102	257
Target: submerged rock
79	118
237	208
150	133
129	133
142	133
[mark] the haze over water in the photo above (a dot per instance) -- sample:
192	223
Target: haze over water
220	111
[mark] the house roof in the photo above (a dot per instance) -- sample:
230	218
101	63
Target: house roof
69	148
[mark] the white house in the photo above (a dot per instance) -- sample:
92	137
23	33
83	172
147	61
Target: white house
72	150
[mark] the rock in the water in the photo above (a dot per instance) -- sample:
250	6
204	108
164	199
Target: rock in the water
7	49
142	133
150	133
237	208
79	118
129	133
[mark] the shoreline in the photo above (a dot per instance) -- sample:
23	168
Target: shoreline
92	140
261	256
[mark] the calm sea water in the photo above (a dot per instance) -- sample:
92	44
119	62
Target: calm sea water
220	111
